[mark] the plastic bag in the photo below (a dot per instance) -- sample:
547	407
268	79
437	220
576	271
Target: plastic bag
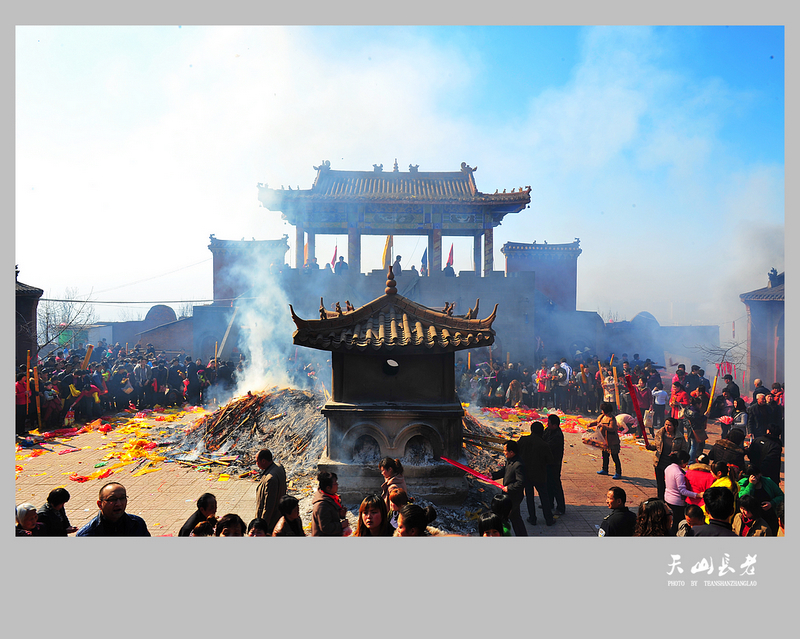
595	439
648	418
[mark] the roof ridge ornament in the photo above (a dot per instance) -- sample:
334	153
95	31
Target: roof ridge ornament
378	168
396	169
391	284
324	166
466	168
413	168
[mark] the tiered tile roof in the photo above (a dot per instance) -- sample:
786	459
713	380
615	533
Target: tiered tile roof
393	322
382	186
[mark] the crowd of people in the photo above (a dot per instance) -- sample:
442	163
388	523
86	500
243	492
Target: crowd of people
79	385
728	487
277	513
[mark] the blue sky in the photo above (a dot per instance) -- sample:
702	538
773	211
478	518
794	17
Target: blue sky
660	147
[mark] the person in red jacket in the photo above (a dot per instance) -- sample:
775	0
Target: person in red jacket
22	397
678	402
698	477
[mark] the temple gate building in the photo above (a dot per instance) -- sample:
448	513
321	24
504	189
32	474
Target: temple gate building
375	202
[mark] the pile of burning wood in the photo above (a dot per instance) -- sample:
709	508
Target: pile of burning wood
483	445
287	421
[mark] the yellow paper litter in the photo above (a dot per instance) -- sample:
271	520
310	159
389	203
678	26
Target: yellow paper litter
224	477
144	471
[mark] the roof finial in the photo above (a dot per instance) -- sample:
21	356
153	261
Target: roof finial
396	168
391	284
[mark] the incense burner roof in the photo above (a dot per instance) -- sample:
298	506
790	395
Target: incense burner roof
394	323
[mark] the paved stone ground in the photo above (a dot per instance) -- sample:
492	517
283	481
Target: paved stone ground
165	498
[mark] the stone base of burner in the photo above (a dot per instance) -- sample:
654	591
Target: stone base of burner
438	482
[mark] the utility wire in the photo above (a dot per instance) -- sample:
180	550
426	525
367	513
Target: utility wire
76	301
147	279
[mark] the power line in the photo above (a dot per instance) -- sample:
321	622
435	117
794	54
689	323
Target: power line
147	279
76	301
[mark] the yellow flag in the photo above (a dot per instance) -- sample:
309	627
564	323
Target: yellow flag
387	253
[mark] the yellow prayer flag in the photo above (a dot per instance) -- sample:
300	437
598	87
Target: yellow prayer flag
387	253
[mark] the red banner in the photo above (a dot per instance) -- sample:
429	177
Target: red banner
467	469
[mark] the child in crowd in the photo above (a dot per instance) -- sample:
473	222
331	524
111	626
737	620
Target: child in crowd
501	506
490	525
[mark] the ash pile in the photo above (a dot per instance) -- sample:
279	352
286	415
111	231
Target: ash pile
287	421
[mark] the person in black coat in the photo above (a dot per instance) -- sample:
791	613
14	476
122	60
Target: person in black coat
536	457
729	449
53	519
555	439
206	507
719	504
759	388
759	415
765	453
621	521
732	387
513	475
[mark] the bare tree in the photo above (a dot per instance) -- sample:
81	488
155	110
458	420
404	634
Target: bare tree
611	316
730	352
59	317
185	310
129	315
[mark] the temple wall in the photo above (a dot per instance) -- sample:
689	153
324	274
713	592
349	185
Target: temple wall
514	295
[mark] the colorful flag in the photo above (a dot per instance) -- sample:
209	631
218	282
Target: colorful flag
424	260
450	257
387	252
335	251
305	254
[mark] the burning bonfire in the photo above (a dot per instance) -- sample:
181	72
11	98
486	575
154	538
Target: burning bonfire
285	420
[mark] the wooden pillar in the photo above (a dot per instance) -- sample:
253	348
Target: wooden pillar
299	241
476	253
488	251
436	253
354	250
312	247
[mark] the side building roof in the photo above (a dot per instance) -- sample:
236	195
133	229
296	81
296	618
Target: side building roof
773	292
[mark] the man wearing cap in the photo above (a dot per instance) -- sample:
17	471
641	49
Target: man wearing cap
732	387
